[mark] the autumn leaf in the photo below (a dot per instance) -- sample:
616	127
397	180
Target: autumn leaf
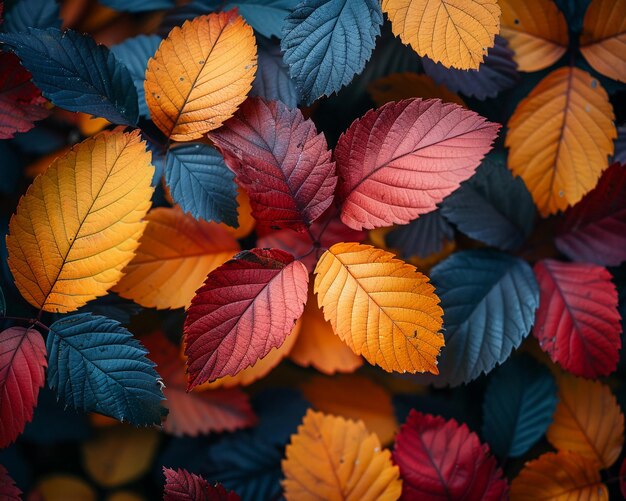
456	33
245	308
587	421
180	485
8	490
560	137
333	458
200	74
399	161
89	205
175	254
380	307
603	39
560	475
537	32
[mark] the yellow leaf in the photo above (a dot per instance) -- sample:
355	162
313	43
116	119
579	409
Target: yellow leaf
354	397
244	216
90	125
563	476
587	420
119	455
61	487
536	32
381	307
318	346
334	459
79	223
603	40
175	254
260	369
456	33
400	86
200	74
560	137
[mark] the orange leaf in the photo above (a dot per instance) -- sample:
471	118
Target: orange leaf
587	420
381	307
565	476
61	487
175	254
88	208
560	137
354	397
335	459
536	32
317	345
400	86
244	216
200	74
603	40
456	33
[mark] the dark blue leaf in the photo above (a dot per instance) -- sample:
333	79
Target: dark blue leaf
96	365
53	424
489	300
265	16
620	146
327	42
574	11
138	5
492	207
177	16
75	73
497	73
112	306
280	411
10	168
201	183
421	237
134	53
449	407
520	400
41	140
23	14
3	304
272	81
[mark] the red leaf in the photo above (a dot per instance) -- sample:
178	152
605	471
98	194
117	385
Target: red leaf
281	161
194	413
594	230
439	459
8	489
577	322
21	103
327	230
181	485
22	363
401	160
245	308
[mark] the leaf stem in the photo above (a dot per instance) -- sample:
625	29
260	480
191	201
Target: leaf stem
31	321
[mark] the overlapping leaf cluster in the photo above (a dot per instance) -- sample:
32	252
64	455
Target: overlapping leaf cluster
430	194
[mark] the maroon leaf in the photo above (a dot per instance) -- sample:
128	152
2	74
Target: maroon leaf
21	103
594	230
245	308
281	161
22	364
180	485
402	159
8	489
577	322
441	459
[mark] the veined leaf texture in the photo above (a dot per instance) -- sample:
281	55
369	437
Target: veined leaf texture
312	249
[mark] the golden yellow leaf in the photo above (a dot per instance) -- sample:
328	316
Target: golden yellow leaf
244	216
560	137
119	455
603	40
587	420
90	125
456	33
79	223
354	397
383	308
61	487
398	86
562	476
200	74
175	254
260	369
334	459
318	346
536	32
